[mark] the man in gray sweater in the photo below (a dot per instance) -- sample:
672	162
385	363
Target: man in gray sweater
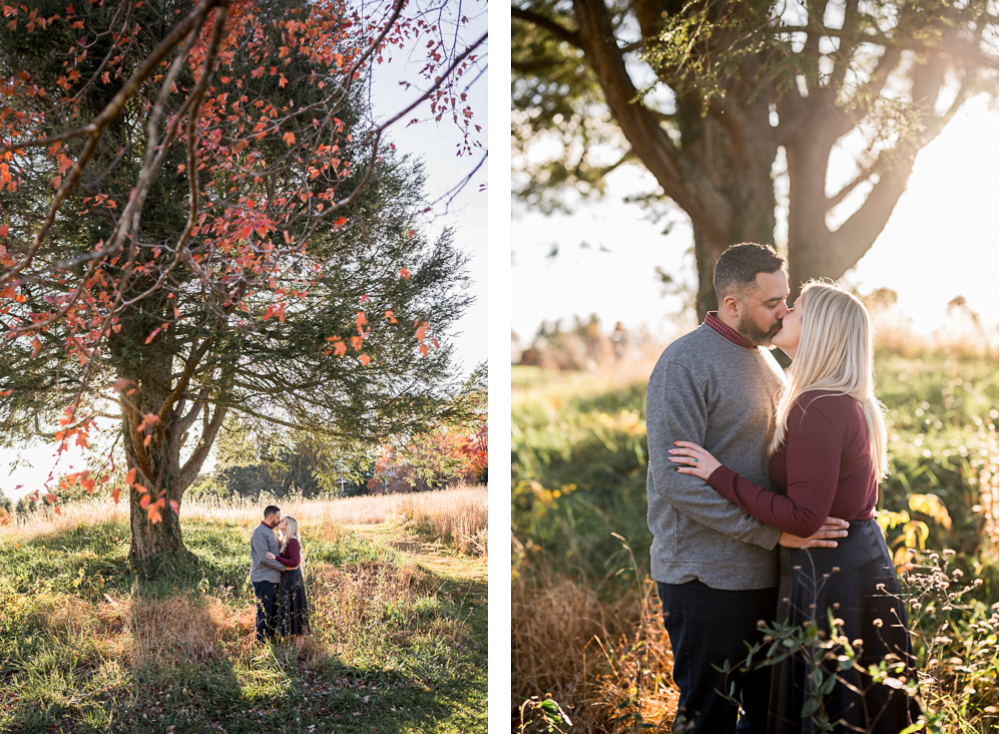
716	567
265	574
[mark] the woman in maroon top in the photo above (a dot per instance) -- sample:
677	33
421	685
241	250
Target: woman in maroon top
827	455
293	608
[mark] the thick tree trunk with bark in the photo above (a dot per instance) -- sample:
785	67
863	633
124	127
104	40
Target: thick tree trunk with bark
736	154
153	447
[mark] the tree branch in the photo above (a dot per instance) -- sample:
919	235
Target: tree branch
540	21
681	181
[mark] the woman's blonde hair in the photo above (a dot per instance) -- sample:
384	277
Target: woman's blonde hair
835	353
291	531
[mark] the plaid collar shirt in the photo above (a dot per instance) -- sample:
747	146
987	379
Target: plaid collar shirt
712	319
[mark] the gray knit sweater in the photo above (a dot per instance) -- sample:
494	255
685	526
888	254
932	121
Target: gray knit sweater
262	541
720	395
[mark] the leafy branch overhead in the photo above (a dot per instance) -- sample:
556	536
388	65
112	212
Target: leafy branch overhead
703	95
200	214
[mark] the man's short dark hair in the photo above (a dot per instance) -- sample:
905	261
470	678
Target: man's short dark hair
737	268
271	510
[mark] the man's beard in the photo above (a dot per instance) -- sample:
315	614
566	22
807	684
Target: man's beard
751	331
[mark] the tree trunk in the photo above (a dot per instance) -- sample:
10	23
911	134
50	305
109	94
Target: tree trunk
153	542
737	157
153	447
150	453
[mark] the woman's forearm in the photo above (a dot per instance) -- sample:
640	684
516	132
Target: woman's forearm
802	518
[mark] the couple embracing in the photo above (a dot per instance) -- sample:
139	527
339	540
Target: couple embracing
762	489
276	576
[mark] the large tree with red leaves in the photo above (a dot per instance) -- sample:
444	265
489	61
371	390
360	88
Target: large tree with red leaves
199	216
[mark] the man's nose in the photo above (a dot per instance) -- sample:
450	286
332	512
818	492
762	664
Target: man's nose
782	311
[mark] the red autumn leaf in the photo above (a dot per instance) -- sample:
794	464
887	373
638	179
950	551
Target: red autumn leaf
147	421
50	498
153	514
424	350
340	349
115	494
3	229
404	273
144	502
357	341
175	507
340	223
88	484
392	319
289	138
130	477
36	347
364	359
81	440
152	336
58	511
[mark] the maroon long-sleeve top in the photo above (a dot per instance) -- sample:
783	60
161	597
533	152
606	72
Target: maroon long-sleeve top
824	469
292	555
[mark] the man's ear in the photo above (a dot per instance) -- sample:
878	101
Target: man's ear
731	306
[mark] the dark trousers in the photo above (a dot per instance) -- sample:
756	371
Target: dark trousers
267	610
707	627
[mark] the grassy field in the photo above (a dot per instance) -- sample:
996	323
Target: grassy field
580	540
397	588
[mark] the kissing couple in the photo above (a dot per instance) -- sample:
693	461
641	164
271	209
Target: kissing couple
276	576
762	489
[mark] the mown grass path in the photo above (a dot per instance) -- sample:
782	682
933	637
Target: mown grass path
399	643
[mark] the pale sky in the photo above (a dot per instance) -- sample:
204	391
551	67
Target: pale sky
942	241
435	144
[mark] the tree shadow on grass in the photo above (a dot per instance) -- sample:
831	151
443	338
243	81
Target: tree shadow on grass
130	654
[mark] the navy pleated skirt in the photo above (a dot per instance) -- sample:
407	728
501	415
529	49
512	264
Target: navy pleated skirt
857	580
293	609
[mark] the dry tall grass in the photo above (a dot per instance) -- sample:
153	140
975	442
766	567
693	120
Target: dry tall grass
461	522
607	664
456	516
